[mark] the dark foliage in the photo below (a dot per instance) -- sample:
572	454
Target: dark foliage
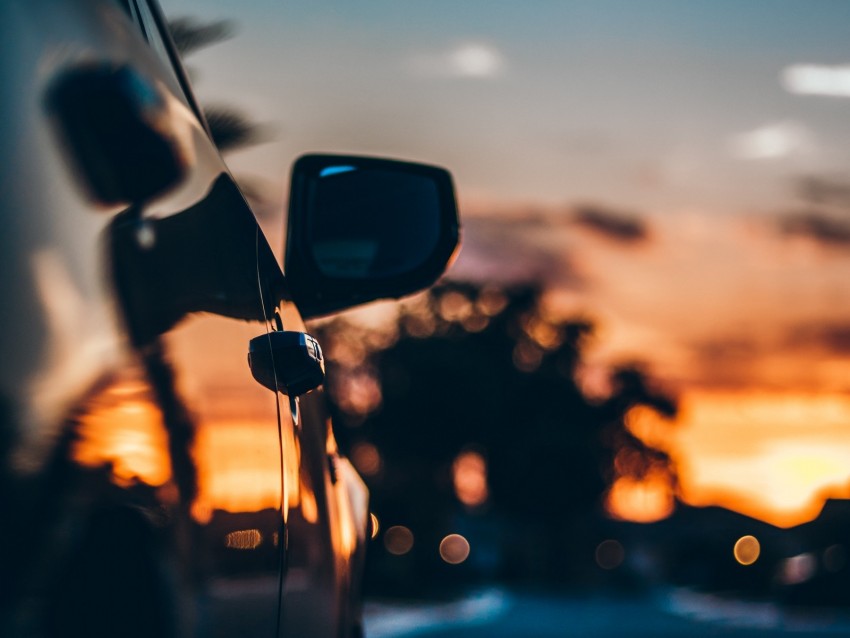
824	229
231	129
190	34
623	227
480	369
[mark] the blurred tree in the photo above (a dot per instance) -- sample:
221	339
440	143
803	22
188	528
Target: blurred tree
190	34
232	129
478	368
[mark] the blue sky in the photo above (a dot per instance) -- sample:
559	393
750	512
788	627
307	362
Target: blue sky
633	102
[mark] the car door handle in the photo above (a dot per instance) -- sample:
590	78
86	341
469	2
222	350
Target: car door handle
287	361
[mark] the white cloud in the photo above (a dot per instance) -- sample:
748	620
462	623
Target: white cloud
476	60
468	60
772	141
817	79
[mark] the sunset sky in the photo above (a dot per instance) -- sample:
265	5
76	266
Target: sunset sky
677	171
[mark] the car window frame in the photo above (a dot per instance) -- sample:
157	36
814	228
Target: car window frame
148	17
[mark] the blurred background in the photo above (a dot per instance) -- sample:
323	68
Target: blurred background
637	373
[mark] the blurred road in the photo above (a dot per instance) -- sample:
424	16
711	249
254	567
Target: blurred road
495	613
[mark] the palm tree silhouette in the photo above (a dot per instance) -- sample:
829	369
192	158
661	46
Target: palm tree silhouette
230	127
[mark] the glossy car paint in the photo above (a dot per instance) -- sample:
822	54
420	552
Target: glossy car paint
149	486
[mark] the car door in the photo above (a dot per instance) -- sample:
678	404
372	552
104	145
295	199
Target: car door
326	513
236	428
151	486
321	533
139	454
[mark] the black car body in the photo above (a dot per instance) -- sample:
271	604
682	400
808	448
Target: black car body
149	484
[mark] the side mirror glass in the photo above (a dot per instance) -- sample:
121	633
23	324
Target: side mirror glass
365	228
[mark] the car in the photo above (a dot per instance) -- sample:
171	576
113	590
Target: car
167	464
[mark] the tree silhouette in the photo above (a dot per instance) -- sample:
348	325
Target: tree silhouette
478	368
230	128
190	34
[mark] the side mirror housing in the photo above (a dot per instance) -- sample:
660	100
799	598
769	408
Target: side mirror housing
362	229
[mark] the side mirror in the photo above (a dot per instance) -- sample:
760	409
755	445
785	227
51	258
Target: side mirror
362	229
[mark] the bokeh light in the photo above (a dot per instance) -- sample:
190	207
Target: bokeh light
454	549
475	323
834	558
454	306
375	525
747	550
527	356
357	391
797	569
491	302
643	500
398	540
243	539
366	459
469	474
610	554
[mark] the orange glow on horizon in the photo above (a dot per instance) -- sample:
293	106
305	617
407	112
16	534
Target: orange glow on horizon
773	456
